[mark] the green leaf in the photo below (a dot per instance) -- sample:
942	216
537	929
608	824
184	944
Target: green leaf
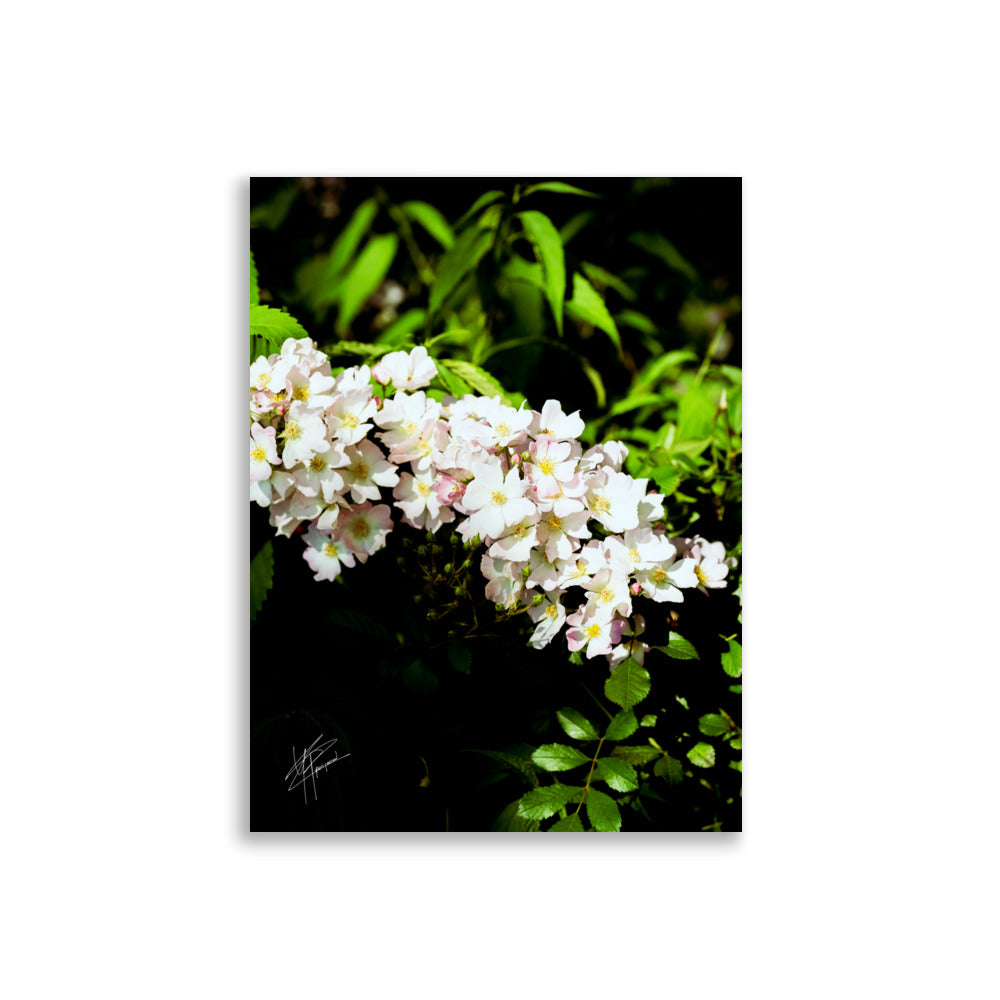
357	621
667	479
570	824
402	329
695	415
636	321
588	307
364	277
261	577
636	755
558	757
737	743
628	685
734	409
713	725
576	725
622	726
357	347
548	246
732	662
541	803
516	764
657	368
679	648
619	775
648	721
579	221
659	246
254	284
455	386
558	187
457	262
481	202
633	403
431	219
509	821
736	765
478	378
460	657
670	768
599	276
274	327
345	245
419	678
270	214
595	380
602	811
530	272
702	755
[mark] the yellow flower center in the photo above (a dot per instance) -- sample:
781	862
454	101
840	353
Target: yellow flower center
606	596
263	380
350	420
423	489
502	430
360	470
551	611
361	528
498	497
546	465
702	579
554	523
257	454
592	631
317	463
600	505
633	554
330	550
292	431
410	428
301	392
659	574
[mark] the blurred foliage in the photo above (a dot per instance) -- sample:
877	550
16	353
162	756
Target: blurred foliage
620	298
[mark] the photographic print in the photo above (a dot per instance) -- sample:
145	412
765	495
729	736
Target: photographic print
495	495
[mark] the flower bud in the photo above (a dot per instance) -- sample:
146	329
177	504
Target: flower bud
538	598
526	572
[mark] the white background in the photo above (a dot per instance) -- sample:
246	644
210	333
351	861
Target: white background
865	136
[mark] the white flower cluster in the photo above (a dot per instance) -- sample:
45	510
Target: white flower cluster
517	479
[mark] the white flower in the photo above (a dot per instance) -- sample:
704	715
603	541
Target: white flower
406	370
325	554
265	375
597	635
549	616
496	501
366	470
553	423
613	499
304	435
662	582
364	529
263	453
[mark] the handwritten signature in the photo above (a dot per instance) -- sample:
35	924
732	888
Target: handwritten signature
303	772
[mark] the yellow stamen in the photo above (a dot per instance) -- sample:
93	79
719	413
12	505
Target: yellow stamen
330	550
702	579
546	465
361	528
552	610
592	631
301	392
350	420
317	463
423	489
498	497
257	454
600	505
606	596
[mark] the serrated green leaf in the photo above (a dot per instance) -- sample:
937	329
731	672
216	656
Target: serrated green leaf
702	755
732	662
678	648
737	743
558	757
648	720
510	821
602	811
431	219
619	775
541	803
478	378
576	659
667	479
713	725
659	246
359	347
588	307
365	275
628	685
462	257
254	284
545	239
261	577
455	386
670	768
558	187
569	824
736	765
273	327
576	725
622	726
636	755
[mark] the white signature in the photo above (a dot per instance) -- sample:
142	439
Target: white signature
305	768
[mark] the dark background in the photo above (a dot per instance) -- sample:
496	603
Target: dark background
410	731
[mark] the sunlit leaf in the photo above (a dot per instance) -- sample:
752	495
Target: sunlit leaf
636	755
588	307
679	648
569	824
558	187
713	724
602	811
273	327
366	274
622	726
619	775
431	219
457	262
548	246
541	803
576	725
702	755
558	757
628	685
732	661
